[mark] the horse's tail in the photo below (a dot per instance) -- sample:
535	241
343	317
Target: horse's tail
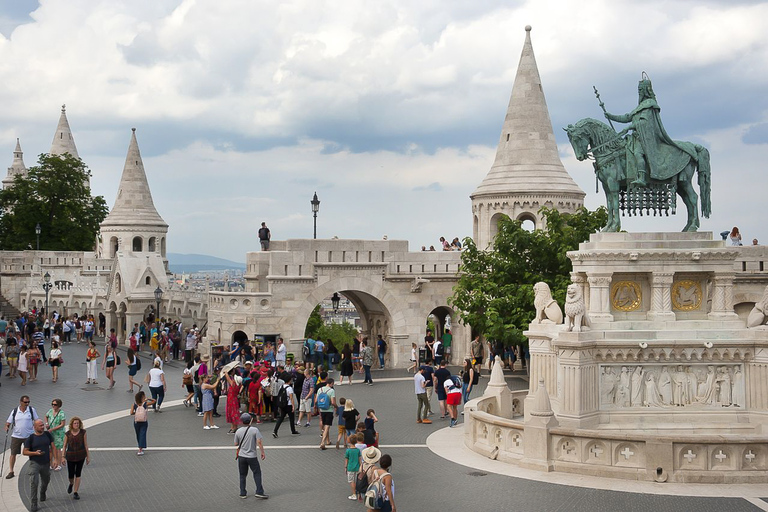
705	180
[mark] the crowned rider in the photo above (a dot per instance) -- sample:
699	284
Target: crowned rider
649	147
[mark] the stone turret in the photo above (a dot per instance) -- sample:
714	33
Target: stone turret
63	142
133	224
17	167
527	172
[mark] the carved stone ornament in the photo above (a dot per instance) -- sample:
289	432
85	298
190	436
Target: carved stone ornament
626	296
696	386
686	295
547	309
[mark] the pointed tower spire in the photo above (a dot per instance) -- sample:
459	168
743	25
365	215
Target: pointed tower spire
527	172
134	206
63	142
17	167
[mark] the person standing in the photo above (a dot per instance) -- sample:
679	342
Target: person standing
55	423
206	388
110	361
20	423
429	341
441	375
366	354
38	448
429	377
280	352
232	411
23	364
325	401
286	401
140	423
477	352
381	347
132	360
264	236
247	439
452	387
420	386
305	402
76	453
91	360
387	484
469	378
347	368
55	359
102	325
157	385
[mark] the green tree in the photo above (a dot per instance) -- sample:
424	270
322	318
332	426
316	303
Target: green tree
314	323
53	194
495	291
338	333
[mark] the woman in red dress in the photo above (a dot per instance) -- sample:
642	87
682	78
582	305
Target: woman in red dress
233	400
255	402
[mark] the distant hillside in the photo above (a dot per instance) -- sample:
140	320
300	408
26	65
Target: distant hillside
188	263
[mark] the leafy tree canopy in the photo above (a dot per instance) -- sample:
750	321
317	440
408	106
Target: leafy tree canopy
338	333
495	291
53	194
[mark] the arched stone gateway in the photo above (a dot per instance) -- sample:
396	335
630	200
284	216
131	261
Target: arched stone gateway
393	290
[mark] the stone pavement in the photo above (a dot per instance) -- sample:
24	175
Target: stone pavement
187	467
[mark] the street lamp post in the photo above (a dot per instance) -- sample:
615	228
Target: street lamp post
47	287
158	298
315	202
37	232
335	302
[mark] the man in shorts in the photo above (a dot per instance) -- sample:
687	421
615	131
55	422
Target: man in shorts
326	413
441	375
88	329
21	420
306	396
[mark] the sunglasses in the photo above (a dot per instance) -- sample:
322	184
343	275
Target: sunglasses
26	402
54	404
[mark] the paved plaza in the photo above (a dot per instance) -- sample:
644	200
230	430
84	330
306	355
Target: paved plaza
188	468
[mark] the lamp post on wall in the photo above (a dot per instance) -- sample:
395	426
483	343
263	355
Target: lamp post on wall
37	232
158	298
315	202
47	287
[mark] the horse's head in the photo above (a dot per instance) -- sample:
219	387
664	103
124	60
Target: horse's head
579	141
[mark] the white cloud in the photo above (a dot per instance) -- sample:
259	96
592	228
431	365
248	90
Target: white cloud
245	108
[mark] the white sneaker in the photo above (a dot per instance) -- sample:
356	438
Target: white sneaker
206	427
214	426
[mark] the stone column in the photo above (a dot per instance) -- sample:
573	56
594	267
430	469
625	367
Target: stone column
661	296
600	297
722	298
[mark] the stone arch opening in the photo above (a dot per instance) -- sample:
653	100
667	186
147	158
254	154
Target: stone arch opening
528	220
475	227
239	337
152	244
114	245
137	244
494	227
162	247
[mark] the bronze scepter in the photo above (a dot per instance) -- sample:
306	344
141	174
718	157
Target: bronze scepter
602	105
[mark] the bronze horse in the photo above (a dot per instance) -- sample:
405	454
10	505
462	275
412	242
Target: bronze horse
608	148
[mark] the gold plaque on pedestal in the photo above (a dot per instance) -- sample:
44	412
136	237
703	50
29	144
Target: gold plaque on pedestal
626	296
686	295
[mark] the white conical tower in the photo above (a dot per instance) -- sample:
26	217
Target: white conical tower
133	223
527	173
63	142
17	167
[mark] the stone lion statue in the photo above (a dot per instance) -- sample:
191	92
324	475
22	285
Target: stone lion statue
575	309
547	309
758	314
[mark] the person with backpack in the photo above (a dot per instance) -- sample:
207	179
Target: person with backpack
139	410
442	374
380	495
452	387
381	347
325	400
21	424
286	401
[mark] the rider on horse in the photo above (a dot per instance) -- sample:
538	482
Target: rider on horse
650	147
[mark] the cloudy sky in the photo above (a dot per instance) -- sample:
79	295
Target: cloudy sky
390	110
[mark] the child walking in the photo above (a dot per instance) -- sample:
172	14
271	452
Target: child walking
352	465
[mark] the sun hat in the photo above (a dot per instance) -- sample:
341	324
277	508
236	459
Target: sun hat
371	455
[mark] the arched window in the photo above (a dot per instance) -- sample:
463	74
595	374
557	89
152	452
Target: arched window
118	284
138	244
148	281
162	247
152	244
113	246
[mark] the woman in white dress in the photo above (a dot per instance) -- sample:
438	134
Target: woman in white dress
652	396
637	387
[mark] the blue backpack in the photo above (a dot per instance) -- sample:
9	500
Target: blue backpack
323	400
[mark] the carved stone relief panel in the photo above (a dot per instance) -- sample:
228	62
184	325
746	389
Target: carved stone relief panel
687	295
694	386
626	296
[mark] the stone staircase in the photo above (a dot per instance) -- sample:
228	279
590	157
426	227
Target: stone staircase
7	309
